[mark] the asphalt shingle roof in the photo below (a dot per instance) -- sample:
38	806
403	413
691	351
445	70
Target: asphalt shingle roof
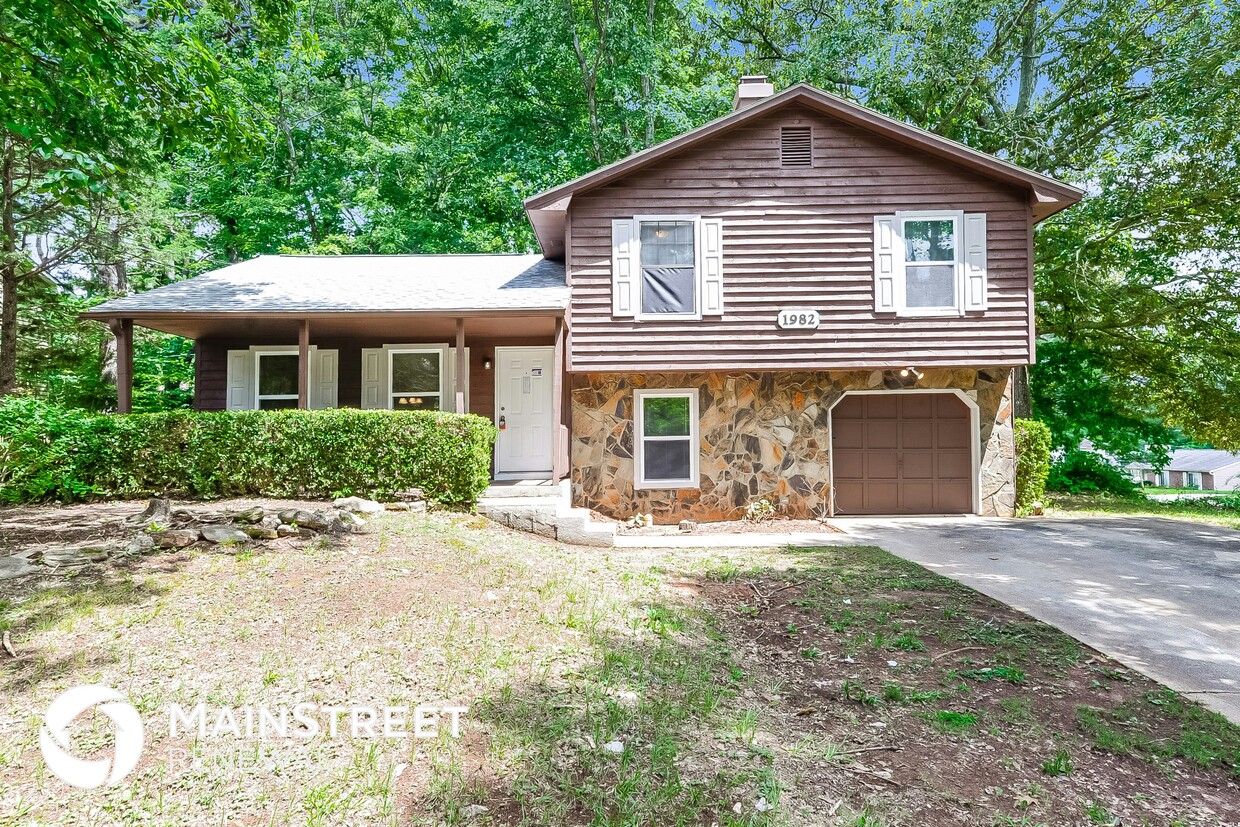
292	283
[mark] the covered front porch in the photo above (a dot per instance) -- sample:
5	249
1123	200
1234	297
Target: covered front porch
486	336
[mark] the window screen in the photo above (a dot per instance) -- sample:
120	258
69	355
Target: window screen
666	431
927	242
415	381
669	267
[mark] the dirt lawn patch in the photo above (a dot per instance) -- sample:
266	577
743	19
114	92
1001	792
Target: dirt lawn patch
740	687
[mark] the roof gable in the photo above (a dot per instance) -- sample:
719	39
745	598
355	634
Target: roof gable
547	209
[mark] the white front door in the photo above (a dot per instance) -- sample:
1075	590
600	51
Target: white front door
524	384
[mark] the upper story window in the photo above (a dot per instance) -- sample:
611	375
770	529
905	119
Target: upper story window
669	277
930	263
667	267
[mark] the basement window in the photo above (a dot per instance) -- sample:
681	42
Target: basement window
796	147
666	438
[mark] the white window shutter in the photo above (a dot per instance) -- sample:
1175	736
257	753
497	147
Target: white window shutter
374	378
975	261
712	266
324	369
449	396
888	265
240	382
624	265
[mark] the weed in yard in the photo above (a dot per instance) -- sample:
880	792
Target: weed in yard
1098	814
897	694
948	721
812	653
745	725
1017	711
909	642
1059	764
845	619
663	621
994	673
859	694
815	748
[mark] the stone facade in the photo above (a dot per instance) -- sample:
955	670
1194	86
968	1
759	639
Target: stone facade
763	434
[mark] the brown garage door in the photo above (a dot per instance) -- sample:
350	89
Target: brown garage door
901	453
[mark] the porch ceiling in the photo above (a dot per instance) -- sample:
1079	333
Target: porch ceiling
274	328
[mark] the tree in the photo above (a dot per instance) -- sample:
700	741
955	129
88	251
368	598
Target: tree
90	91
1137	101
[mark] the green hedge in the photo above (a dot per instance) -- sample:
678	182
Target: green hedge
1033	462
48	452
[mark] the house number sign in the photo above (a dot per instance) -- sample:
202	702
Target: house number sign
794	318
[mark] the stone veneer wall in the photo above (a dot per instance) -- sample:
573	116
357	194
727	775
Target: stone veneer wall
763	434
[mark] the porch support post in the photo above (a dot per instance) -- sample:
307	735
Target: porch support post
123	330
460	366
559	442
303	365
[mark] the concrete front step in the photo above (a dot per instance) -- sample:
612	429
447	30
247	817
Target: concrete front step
505	490
547	516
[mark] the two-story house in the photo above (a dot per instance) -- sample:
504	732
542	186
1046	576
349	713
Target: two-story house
804	301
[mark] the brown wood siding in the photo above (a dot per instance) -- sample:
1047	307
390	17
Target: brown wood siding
211	368
799	237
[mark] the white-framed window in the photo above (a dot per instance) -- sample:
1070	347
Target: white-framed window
930	263
931	245
1192	479
665	438
667	267
275	379
415	379
669	282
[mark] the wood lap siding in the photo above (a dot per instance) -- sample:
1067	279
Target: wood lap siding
211	369
799	237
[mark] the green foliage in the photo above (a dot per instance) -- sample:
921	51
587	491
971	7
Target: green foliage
51	452
1078	398
1058	764
1033	462
1077	472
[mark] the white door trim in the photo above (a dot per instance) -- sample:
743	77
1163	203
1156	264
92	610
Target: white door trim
975	444
519	475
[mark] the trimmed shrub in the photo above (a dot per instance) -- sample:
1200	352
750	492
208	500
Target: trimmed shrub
49	452
1080	472
1033	462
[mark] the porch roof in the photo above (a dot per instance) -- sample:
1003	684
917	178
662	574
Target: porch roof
306	284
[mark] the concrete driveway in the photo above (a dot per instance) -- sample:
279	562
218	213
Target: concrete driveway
1162	596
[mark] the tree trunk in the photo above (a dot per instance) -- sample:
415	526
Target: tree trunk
8	273
1022	398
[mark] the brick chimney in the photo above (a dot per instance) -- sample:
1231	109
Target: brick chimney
753	88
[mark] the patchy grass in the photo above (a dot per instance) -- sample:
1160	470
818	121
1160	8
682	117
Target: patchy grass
839	686
1222	510
995	719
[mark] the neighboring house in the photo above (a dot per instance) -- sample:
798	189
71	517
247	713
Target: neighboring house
804	300
1202	468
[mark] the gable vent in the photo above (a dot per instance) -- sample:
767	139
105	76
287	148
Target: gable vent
796	148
